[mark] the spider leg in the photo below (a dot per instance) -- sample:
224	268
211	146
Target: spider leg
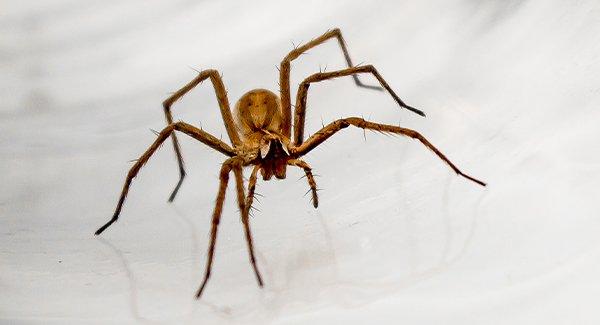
300	112
190	130
284	72
221	94
251	189
244	205
335	126
216	218
309	177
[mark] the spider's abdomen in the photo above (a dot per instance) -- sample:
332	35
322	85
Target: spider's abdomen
258	109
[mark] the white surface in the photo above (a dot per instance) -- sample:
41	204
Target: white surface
511	90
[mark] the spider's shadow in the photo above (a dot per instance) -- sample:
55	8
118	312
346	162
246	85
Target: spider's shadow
133	290
133	281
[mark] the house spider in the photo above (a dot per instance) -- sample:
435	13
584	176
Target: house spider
261	135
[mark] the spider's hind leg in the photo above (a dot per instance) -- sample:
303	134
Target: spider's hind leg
302	94
285	68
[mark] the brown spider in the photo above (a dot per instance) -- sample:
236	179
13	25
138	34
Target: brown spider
261	137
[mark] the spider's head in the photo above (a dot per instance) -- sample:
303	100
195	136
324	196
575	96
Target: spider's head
274	156
256	111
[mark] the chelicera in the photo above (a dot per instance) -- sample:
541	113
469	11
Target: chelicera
260	131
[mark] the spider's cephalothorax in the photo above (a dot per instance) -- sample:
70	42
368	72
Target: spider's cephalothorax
261	137
259	120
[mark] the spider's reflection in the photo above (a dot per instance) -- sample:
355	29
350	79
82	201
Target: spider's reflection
276	296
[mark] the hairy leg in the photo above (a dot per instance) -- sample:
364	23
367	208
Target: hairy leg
309	177
300	112
216	218
251	189
221	94
188	129
332	128
245	211
284	72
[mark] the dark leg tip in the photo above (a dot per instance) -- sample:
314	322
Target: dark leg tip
378	88
473	180
362	85
418	111
174	193
256	273
258	278
101	229
201	289
171	198
199	293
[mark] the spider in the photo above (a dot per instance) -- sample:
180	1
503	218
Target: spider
261	135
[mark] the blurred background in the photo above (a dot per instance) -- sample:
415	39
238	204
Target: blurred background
511	90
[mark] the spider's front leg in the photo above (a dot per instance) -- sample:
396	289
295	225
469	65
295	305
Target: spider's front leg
332	128
221	94
188	129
